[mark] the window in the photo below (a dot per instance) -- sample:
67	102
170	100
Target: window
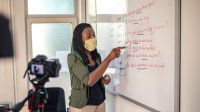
49	38
49	32
110	24
36	7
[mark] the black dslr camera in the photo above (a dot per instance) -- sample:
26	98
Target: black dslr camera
40	66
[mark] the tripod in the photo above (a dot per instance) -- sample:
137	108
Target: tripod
36	98
19	105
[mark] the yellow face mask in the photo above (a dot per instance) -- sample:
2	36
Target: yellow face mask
91	44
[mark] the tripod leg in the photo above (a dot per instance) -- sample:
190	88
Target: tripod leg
19	105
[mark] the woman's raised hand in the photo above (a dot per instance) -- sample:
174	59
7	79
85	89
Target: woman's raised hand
115	53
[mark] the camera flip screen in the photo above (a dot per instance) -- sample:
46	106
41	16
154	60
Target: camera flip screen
37	69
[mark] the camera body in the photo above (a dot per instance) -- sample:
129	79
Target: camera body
41	66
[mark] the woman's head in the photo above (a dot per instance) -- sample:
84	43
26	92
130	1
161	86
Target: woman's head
88	39
81	34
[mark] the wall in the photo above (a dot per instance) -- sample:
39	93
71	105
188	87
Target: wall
13	86
6	65
190	53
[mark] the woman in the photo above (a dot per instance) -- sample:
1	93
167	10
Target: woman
86	71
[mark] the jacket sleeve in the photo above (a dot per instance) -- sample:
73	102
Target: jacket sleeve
77	68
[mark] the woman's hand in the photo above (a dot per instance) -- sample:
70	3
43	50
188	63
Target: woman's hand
106	79
99	71
115	53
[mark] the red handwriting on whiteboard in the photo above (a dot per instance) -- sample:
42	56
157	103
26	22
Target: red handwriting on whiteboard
146	30
141	8
142	20
142	66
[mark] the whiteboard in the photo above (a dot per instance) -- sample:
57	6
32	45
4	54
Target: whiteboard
148	69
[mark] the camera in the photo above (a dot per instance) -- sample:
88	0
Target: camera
41	66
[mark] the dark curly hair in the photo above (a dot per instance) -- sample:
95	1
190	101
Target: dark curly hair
77	43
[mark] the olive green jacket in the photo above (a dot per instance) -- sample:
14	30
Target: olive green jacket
79	75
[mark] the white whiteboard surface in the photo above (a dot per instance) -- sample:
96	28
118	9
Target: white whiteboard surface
148	71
